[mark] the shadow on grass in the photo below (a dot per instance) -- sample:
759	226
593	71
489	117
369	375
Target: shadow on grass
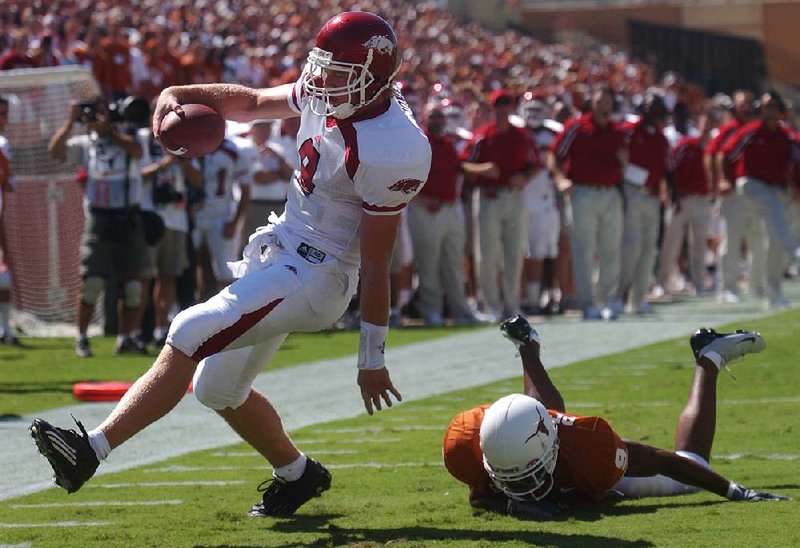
340	536
35	388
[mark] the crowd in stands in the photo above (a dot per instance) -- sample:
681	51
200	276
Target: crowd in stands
569	202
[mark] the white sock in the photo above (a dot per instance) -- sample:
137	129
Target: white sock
404	297
99	443
5	315
121	338
533	290
293	470
716	358
159	333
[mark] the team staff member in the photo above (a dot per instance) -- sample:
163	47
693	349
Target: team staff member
6	335
438	232
741	221
590	155
761	154
645	189
270	174
502	219
692	209
525	456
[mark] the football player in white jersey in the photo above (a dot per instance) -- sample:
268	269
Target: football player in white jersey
544	219
220	213
362	159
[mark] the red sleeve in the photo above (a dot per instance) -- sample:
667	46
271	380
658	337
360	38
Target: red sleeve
736	143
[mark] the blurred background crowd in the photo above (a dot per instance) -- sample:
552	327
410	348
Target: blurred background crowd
568	177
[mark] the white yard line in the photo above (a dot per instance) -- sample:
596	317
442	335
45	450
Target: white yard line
419	371
103	503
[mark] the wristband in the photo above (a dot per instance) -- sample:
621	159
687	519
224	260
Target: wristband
371	346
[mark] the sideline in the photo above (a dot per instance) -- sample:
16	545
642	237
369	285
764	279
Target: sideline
325	391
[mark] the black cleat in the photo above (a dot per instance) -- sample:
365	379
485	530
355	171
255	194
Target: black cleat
83	349
69	453
131	345
283	498
519	331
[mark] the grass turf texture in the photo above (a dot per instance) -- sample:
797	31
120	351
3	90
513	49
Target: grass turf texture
40	375
389	485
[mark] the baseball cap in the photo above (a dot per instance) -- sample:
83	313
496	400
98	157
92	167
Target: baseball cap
501	97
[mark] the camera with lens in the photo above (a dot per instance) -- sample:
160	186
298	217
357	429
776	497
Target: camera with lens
87	112
165	193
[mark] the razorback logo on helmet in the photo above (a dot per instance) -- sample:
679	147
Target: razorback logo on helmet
380	43
406	186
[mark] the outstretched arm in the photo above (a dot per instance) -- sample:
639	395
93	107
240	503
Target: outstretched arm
378	233
646	460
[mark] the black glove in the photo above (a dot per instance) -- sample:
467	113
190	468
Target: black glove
533	510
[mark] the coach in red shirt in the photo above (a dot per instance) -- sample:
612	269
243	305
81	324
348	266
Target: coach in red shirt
741	220
761	155
438	232
645	187
692	208
590	155
502	219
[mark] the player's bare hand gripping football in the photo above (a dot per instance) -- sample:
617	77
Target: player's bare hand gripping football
231	101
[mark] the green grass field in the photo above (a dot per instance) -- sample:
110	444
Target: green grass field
389	487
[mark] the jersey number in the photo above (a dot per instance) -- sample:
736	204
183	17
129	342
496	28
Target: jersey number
309	159
621	458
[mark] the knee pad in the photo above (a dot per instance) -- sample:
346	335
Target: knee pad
92	287
5	280
132	294
216	393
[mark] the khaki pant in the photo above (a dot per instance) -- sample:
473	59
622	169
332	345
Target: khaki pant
692	218
639	241
597	220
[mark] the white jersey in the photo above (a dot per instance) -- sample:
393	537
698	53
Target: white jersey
105	164
219	172
375	165
540	192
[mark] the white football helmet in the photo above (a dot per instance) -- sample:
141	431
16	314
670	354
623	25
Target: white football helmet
519	441
532	110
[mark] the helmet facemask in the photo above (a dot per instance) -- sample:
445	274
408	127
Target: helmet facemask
533	482
357	80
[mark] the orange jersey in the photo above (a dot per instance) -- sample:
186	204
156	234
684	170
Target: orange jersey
591	456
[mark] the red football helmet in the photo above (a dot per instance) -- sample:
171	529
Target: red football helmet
354	61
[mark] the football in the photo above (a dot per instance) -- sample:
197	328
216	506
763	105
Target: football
198	131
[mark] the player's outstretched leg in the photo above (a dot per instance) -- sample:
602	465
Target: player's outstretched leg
713	351
283	498
69	453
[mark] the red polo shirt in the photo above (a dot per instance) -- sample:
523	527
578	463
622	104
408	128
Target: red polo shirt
690	176
443	176
649	149
590	152
512	150
758	152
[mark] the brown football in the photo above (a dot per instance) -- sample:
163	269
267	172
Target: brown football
197	132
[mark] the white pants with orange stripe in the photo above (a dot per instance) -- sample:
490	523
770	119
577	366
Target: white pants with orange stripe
235	333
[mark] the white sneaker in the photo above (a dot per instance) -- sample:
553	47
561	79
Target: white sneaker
608	313
591	313
779	303
728	346
728	297
658	291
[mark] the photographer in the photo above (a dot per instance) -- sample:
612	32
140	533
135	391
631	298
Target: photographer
113	244
166	180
